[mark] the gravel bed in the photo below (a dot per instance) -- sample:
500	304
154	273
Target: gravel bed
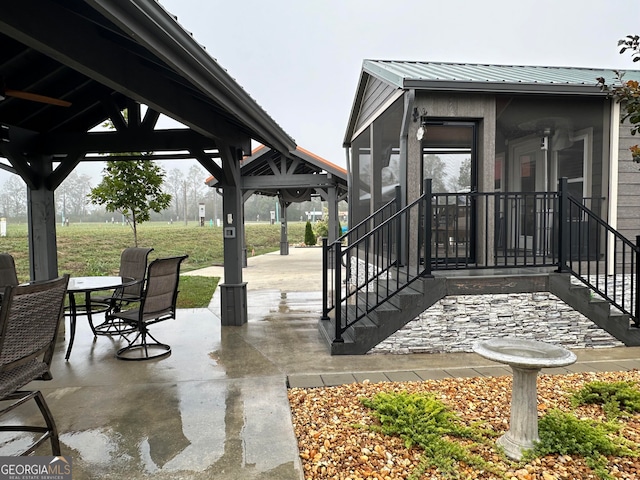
332	446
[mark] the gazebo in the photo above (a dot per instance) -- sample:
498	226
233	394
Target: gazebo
67	66
292	178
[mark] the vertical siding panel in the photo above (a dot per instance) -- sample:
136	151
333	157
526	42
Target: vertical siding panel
628	186
376	94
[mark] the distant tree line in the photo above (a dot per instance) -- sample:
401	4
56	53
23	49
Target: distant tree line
187	190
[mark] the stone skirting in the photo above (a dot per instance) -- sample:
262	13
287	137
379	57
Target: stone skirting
455	323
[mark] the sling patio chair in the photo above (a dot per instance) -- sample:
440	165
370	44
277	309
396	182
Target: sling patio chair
158	303
133	264
8	275
30	315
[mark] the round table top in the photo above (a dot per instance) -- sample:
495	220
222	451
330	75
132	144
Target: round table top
522	353
88	284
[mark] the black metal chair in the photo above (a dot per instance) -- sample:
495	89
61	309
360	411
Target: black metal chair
133	264
158	303
8	275
29	319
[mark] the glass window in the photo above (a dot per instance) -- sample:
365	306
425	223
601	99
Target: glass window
447	150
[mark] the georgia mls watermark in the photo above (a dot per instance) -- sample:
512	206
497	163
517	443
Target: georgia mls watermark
35	468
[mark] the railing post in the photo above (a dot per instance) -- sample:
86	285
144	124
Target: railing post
325	280
636	307
563	224
428	215
338	287
400	238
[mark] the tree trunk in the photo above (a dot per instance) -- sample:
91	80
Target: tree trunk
135	229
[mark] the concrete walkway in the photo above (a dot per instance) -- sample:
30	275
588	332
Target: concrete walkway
218	407
300	271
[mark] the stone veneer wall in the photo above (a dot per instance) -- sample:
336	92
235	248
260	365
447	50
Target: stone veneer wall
455	323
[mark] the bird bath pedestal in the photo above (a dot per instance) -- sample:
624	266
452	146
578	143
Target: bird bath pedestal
526	358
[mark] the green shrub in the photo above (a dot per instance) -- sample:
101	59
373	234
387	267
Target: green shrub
321	228
424	421
309	237
563	433
615	397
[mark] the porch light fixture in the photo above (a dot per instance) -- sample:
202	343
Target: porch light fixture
422	130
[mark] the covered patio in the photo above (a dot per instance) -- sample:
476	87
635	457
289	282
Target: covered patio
218	407
134	65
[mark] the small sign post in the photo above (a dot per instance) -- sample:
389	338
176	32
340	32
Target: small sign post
201	213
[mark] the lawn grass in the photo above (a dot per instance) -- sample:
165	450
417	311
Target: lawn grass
196	292
94	249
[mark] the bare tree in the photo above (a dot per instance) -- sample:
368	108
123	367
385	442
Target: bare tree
174	184
71	195
14	197
463	179
195	193
435	169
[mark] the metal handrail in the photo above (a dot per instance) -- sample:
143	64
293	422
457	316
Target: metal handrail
599	256
530	229
373	265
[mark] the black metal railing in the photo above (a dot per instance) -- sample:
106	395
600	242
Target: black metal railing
525	229
391	249
373	265
598	256
334	260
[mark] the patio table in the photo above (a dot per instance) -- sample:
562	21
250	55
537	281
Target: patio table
87	285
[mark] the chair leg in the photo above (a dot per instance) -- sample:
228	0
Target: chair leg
113	325
49	432
141	349
51	424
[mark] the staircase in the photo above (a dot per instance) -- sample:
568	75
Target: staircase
595	308
410	302
384	320
388	283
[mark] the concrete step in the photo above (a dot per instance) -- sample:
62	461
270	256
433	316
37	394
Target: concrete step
595	308
407	304
384	320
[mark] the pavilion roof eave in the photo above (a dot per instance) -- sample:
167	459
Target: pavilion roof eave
42	54
179	49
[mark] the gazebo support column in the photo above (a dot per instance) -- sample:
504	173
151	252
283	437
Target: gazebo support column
41	220
332	203
284	236
233	292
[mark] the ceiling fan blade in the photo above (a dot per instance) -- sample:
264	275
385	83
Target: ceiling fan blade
34	97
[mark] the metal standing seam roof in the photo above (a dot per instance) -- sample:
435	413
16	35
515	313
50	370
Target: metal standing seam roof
491	78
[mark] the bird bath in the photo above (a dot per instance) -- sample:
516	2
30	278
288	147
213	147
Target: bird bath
526	358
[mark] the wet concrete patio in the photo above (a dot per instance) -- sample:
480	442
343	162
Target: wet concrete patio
217	407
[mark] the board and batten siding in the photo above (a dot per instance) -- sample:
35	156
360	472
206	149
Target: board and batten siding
628	194
376	94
